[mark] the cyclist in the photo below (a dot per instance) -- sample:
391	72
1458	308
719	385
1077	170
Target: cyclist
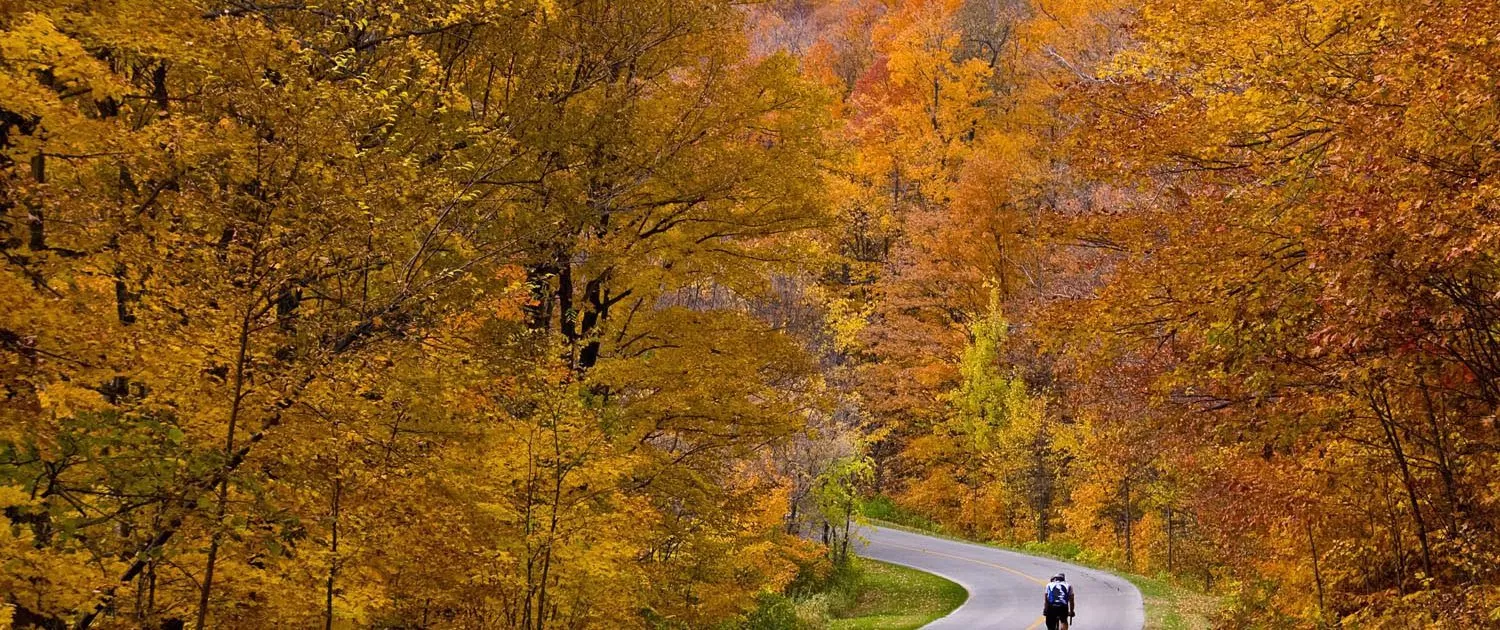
1058	605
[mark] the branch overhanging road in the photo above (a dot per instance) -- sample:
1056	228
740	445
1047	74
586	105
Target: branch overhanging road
1005	587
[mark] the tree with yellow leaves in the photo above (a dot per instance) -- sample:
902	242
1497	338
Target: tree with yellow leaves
255	256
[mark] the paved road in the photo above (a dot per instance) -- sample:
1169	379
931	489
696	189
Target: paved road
1005	587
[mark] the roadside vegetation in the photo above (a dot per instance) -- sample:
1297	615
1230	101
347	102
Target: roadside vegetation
862	594
893	597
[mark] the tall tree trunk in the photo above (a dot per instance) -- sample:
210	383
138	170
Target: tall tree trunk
35	223
1129	548
333	563
221	509
1312	545
1398	552
1171	543
1444	461
1381	405
848	529
559	471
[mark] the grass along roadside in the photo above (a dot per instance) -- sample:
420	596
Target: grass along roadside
861	595
1168	606
893	597
1172	607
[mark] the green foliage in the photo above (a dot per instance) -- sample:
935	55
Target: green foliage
773	611
1063	549
990	398
993	465
836	493
820	589
883	508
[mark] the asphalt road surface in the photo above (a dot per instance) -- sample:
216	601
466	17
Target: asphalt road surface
1005	587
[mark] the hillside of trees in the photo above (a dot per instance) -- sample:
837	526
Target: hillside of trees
592	313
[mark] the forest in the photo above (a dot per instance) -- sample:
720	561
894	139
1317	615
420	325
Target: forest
614	313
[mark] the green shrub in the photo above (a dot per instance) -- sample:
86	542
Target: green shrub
812	611
773	611
1056	548
812	577
843	587
883	508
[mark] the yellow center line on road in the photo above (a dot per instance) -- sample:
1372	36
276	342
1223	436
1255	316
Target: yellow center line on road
1034	625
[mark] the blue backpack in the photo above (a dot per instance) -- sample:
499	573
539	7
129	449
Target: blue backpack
1057	594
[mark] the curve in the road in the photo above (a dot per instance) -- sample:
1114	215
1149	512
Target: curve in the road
1005	587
